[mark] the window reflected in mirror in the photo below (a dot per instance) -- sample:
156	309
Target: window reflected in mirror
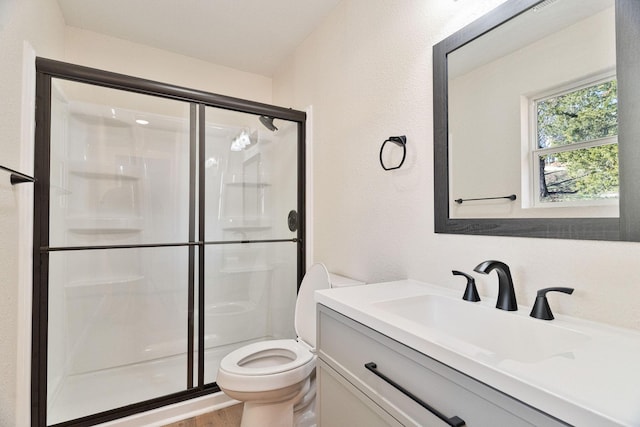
533	112
575	146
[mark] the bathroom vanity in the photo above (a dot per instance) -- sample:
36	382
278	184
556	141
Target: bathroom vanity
408	353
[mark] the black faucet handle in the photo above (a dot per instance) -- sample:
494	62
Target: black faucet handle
470	293
541	309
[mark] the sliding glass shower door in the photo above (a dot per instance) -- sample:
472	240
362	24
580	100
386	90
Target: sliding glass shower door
168	233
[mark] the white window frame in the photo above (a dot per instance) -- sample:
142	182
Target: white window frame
531	170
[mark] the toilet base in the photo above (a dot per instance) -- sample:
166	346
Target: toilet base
277	415
281	414
267	414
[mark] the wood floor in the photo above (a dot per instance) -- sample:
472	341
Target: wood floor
227	417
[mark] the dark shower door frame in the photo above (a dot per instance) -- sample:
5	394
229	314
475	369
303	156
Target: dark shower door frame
46	70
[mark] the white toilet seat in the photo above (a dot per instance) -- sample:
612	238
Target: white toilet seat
254	359
293	364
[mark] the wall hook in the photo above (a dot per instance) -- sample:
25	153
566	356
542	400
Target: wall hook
398	140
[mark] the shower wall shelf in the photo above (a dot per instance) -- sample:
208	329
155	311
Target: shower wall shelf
236	179
98	119
248	184
104	286
104	225
98	170
247	269
246	223
241	227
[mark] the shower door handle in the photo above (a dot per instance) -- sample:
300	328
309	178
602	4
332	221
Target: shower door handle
292	220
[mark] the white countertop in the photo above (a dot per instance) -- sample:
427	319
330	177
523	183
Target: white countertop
596	384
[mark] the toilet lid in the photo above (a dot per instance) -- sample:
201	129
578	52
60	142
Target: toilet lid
252	359
316	278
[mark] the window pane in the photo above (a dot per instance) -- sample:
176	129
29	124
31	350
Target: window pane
582	115
585	174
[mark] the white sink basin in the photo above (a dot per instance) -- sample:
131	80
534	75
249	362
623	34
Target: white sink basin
485	331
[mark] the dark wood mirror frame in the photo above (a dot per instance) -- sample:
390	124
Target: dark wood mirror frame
627	226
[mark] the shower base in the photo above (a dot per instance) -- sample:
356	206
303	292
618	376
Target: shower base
94	392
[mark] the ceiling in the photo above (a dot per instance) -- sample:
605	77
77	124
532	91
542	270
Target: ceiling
536	23
248	35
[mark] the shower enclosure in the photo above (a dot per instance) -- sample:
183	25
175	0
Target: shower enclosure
168	232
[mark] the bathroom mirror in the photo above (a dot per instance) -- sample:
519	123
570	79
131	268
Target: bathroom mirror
536	129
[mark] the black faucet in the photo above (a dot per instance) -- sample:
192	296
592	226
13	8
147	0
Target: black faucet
506	294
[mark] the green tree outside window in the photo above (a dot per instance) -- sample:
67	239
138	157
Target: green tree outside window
577	144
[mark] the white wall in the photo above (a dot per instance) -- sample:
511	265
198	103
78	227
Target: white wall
112	54
39	23
367	71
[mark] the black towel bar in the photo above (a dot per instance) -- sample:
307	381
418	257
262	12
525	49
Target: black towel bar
511	197
18	177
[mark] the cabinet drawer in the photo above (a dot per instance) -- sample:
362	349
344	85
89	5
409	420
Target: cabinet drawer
348	346
340	404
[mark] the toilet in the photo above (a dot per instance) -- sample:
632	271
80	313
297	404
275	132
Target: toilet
276	379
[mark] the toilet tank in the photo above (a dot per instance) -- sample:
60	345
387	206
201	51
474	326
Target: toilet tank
317	277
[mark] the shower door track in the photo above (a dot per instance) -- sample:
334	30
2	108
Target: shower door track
46	70
163	245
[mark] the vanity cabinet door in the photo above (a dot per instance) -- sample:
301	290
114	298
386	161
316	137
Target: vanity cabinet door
348	346
340	404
